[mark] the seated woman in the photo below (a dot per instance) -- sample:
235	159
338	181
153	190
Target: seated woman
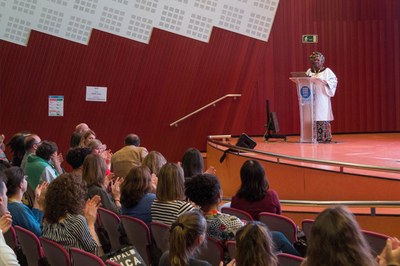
22	215
186	236
336	239
170	202
254	246
69	218
205	191
97	147
193	164
136	198
154	161
254	195
75	157
86	138
94	174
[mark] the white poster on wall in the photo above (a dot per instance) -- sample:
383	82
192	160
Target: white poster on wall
96	94
56	105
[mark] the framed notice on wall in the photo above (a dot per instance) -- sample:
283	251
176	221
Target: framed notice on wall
96	94
56	105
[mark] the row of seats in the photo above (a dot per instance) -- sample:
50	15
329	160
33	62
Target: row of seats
288	227
38	249
138	234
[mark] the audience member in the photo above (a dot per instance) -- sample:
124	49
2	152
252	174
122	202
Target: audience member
254	195
254	246
154	161
187	234
75	157
94	174
16	145
44	166
7	255
77	134
129	156
170	202
31	143
97	147
336	239
69	218
136	196
86	138
205	191
23	216
390	255
4	165
193	164
3	156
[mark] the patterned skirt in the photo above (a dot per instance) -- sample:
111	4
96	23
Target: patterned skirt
324	133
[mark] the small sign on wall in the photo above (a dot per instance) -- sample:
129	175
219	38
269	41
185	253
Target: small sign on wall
56	105
96	94
310	38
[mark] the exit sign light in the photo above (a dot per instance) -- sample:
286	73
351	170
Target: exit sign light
310	38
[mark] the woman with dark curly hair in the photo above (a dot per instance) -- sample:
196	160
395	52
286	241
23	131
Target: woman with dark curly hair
136	196
69	218
336	239
254	246
254	195
205	191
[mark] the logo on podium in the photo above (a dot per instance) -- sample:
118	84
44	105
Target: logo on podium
305	92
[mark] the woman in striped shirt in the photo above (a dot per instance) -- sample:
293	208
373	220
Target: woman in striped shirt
69	218
170	202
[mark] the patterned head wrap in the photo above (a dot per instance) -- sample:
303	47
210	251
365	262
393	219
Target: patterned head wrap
317	54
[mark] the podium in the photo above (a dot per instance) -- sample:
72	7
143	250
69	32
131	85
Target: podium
306	96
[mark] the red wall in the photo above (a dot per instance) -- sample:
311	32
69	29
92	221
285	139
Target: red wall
150	86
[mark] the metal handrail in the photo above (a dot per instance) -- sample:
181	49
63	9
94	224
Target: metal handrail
175	123
341	165
342	202
317	203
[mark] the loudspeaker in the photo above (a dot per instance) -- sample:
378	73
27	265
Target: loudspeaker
246	142
274	122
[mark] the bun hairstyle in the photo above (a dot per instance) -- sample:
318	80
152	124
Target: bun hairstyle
186	235
317	54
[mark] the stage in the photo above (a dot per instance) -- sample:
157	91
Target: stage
352	167
358	170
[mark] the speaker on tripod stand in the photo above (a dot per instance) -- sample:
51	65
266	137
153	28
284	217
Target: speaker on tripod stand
272	126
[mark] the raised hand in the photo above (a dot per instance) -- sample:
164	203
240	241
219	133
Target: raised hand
5	222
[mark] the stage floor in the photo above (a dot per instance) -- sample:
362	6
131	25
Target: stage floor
378	150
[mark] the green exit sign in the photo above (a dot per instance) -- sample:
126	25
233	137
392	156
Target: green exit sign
310	38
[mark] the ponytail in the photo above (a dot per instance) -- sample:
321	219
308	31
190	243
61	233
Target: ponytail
184	234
